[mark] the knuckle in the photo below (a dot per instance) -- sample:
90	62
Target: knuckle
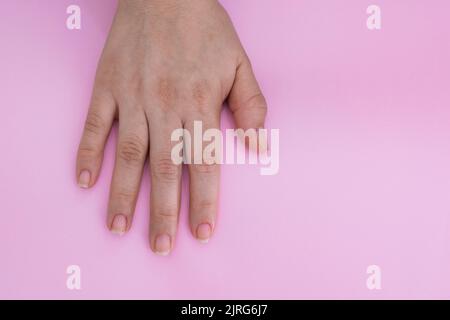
165	215
132	150
124	197
94	124
209	169
87	151
163	168
257	102
200	92
206	205
165	91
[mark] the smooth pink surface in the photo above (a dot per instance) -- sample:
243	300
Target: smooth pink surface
364	119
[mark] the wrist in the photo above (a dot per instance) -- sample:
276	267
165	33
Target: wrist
145	5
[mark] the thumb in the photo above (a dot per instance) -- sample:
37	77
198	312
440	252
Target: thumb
246	100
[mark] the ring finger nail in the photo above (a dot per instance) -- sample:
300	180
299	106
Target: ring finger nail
163	245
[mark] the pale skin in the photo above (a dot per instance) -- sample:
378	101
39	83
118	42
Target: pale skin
166	64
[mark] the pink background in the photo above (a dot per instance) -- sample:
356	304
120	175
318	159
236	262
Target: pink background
364	118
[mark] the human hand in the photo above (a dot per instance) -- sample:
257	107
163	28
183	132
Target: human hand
166	64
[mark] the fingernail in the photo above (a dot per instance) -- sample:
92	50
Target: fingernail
84	179
204	231
119	224
163	245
